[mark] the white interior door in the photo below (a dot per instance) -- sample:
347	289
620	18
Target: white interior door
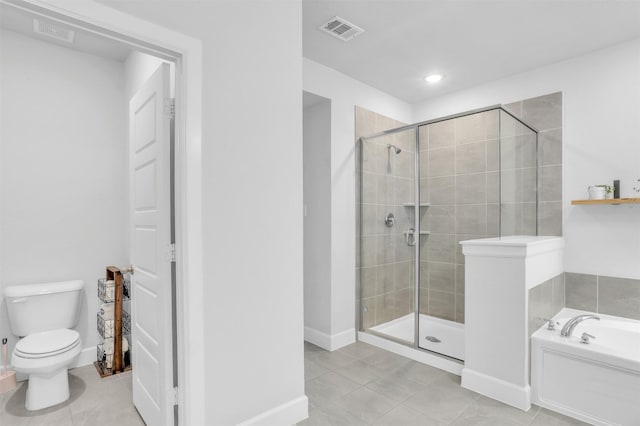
150	189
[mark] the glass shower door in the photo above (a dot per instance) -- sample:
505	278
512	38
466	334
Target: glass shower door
458	164
422	190
387	235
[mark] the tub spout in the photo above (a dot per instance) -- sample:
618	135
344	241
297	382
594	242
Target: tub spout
573	322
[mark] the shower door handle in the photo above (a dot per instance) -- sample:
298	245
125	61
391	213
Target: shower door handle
410	237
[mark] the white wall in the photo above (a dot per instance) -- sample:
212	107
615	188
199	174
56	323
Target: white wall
63	170
253	226
317	221
601	122
251	203
252	163
344	93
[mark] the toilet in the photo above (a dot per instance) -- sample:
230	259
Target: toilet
42	315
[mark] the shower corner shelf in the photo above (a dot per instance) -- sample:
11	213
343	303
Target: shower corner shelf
612	201
113	329
414	204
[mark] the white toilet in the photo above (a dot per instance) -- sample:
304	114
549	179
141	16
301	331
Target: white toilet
43	315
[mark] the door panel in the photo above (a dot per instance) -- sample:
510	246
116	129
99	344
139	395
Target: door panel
388	235
150	186
146	241
145	194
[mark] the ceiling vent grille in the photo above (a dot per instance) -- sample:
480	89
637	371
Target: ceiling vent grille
341	28
52	30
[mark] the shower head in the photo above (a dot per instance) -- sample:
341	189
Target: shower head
396	149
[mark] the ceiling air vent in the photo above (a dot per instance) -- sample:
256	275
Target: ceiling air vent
52	30
341	28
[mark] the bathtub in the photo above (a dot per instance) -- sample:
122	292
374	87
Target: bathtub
599	382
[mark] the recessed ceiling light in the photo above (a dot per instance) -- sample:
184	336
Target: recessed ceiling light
433	78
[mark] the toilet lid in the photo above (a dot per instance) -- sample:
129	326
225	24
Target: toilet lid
47	343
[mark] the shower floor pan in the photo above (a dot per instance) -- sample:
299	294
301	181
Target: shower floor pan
437	335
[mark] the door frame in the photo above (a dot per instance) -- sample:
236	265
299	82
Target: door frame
186	52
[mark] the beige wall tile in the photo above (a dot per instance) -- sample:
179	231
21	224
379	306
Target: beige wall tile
442	134
619	296
470	158
442	304
471	219
442	248
471	189
543	112
385	279
581	291
442	276
442	162
471	128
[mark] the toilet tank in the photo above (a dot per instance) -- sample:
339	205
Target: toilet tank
45	306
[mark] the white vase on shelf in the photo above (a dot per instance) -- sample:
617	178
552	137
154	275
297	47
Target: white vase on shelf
597	193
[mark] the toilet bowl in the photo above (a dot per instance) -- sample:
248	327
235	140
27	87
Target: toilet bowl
45	357
43	315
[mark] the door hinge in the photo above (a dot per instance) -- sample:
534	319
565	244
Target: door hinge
170	107
172	252
173	396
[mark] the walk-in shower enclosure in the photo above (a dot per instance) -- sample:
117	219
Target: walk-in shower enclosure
422	189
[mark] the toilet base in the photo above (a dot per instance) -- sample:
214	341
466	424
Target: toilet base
47	390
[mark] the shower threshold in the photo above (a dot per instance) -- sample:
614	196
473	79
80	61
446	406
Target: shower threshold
436	335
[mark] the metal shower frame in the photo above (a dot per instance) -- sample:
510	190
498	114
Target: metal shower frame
416	187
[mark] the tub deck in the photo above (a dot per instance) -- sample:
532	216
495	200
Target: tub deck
597	382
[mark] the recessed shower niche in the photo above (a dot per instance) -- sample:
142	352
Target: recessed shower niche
468	176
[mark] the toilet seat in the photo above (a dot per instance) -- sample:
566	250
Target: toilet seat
47	344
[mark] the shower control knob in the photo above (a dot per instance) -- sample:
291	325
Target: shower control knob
390	220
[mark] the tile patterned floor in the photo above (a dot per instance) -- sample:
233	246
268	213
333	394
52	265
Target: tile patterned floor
356	385
94	401
363	385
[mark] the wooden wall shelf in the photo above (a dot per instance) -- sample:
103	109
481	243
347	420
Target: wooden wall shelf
613	201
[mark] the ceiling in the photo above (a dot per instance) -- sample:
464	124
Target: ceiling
21	21
470	42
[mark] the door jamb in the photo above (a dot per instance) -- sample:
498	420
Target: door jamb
187	54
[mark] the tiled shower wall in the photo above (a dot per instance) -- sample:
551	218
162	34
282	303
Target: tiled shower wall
455	164
460	163
544	113
479	174
385	262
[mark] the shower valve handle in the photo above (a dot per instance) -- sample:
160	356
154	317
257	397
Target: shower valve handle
410	237
390	220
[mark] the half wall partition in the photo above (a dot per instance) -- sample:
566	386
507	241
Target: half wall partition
423	188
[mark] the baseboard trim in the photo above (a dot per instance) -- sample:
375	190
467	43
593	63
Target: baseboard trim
343	339
330	342
516	396
86	357
288	413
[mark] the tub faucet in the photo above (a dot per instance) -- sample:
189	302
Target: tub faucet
571	324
